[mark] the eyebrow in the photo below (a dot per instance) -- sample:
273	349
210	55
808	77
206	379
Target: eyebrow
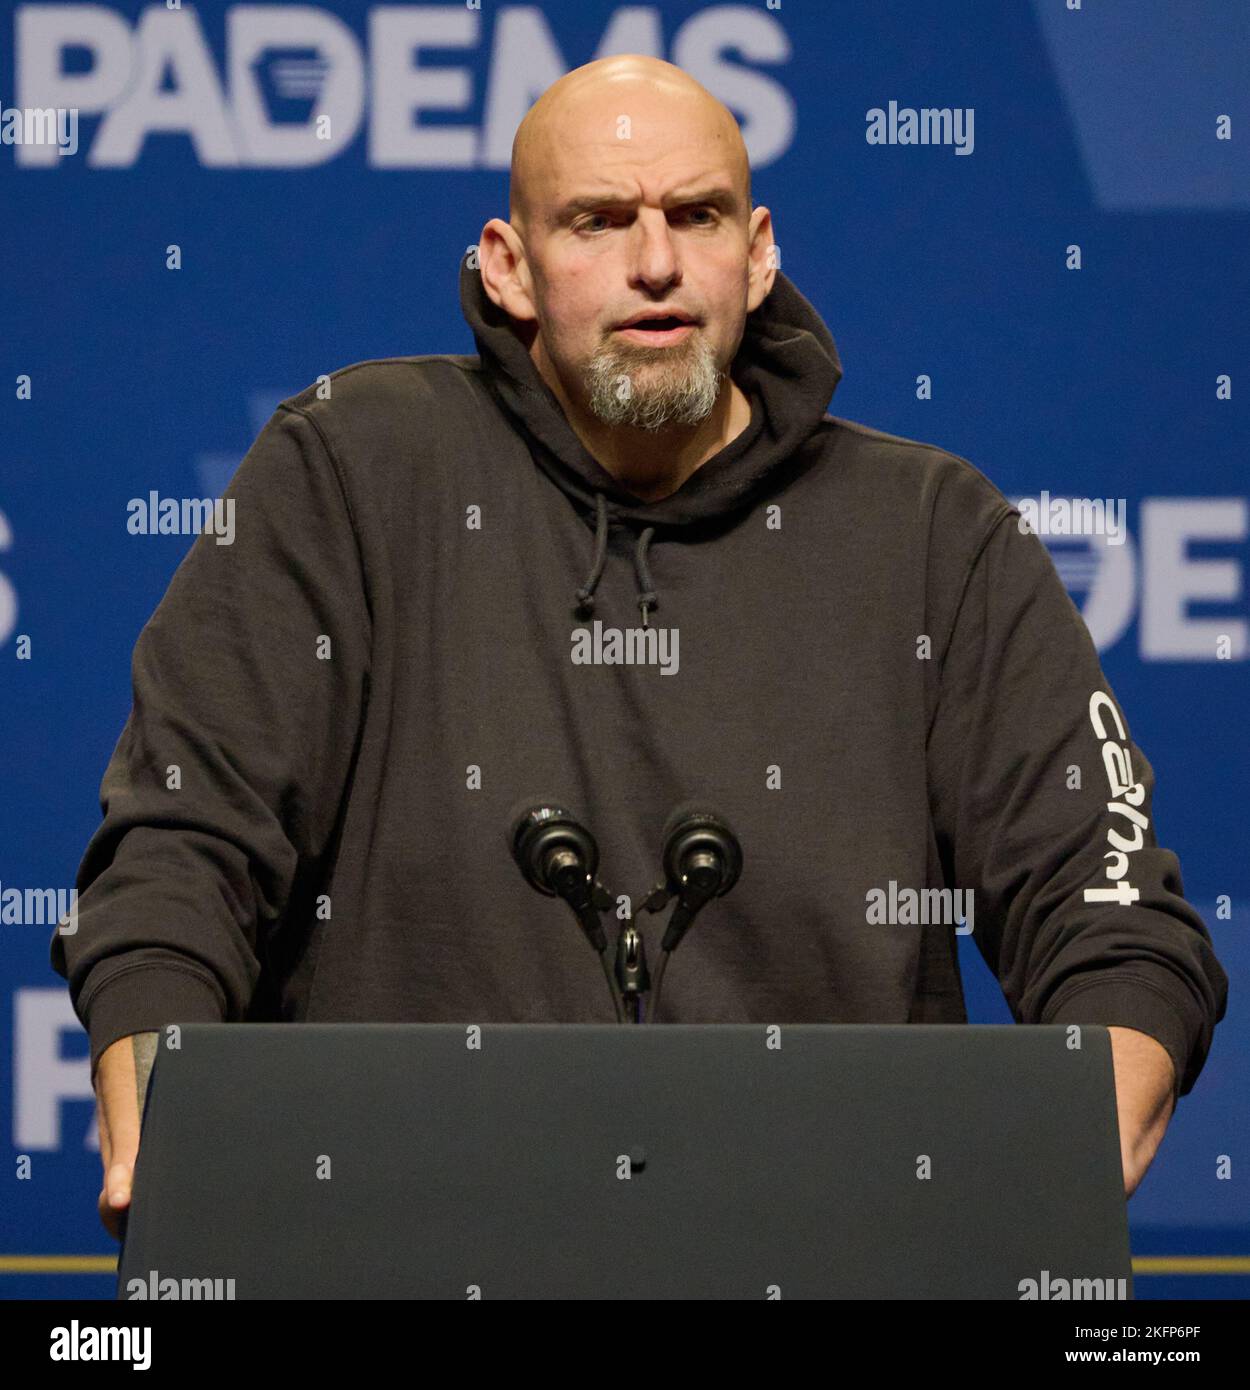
717	196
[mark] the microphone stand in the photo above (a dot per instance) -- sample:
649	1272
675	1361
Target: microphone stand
632	977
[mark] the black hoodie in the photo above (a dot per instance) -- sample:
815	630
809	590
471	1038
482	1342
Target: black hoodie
433	608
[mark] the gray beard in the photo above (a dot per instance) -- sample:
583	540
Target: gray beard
682	392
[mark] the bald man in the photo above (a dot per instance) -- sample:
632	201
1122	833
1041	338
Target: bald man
845	642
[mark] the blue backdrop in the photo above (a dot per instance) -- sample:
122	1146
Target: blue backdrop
253	195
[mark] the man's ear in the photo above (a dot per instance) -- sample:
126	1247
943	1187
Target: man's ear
762	257
505	272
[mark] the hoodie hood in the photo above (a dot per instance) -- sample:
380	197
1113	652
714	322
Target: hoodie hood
787	366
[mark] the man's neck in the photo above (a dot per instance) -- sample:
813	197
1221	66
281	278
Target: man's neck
653	464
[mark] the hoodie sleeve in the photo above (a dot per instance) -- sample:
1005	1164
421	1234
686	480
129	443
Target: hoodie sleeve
1042	806
248	684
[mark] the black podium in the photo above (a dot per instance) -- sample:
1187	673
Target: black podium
676	1161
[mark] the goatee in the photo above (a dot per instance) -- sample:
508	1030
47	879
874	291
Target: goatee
649	387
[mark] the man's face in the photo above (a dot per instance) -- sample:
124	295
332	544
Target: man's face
656	224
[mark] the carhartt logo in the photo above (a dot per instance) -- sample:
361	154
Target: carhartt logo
631	646
1118	763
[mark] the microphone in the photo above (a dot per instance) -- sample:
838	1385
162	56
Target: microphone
702	860
558	857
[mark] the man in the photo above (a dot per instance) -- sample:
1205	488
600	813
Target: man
433	608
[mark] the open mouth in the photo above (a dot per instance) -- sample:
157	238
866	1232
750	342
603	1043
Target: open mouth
658	325
665	330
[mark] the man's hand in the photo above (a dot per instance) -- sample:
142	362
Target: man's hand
121	1082
1144	1077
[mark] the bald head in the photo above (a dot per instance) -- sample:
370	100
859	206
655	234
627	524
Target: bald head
613	114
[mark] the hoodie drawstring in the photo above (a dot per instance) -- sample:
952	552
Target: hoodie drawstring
586	594
647	598
646	594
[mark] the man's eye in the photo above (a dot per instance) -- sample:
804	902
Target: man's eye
594	217
708	212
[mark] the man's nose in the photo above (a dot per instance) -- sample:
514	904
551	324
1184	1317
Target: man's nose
653	254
